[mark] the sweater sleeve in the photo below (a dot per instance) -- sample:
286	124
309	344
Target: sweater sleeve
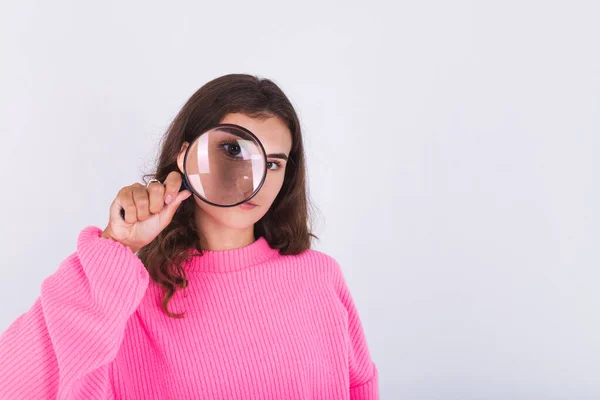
364	377
62	346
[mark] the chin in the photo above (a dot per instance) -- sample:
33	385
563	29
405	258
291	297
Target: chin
233	217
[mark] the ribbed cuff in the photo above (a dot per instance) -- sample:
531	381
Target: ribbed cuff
116	274
368	390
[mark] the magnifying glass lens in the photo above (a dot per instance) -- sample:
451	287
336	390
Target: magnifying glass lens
225	165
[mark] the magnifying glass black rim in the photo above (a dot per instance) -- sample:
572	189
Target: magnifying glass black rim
262	181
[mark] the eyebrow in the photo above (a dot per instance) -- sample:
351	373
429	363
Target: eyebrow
278	155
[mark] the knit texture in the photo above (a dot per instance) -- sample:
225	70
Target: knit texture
257	325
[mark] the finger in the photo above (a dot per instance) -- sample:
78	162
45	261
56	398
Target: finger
156	193
172	186
166	215
142	202
124	200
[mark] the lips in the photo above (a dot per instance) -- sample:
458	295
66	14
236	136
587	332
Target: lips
247	206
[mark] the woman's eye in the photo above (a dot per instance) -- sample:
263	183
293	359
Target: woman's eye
270	164
232	149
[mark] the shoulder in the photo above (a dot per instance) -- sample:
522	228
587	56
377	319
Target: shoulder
320	263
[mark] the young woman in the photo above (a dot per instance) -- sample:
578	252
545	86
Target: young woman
186	300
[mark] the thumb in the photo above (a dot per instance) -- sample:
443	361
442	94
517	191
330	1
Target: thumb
168	211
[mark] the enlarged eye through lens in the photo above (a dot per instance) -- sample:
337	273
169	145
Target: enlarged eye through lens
225	165
234	150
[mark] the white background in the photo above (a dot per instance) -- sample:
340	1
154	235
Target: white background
452	154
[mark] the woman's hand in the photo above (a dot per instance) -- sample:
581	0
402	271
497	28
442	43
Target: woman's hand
148	210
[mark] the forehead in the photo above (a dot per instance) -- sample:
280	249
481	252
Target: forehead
272	132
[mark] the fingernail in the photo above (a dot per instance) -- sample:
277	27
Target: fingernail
168	198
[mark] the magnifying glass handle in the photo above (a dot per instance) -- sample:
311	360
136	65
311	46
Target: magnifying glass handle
183	187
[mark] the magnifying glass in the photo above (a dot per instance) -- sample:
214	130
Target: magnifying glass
225	166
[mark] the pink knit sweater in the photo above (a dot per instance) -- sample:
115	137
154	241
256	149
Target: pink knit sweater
258	325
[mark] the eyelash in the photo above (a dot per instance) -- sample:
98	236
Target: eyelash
226	143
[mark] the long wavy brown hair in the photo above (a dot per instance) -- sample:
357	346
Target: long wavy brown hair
287	224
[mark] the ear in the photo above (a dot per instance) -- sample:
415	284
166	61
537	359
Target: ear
181	156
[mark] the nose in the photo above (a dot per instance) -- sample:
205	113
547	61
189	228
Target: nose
245	188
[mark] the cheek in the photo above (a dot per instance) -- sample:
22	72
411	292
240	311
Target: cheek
206	208
271	187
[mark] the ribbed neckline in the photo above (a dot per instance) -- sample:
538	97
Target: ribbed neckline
232	259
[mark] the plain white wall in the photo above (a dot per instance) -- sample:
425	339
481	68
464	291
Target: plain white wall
452	153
